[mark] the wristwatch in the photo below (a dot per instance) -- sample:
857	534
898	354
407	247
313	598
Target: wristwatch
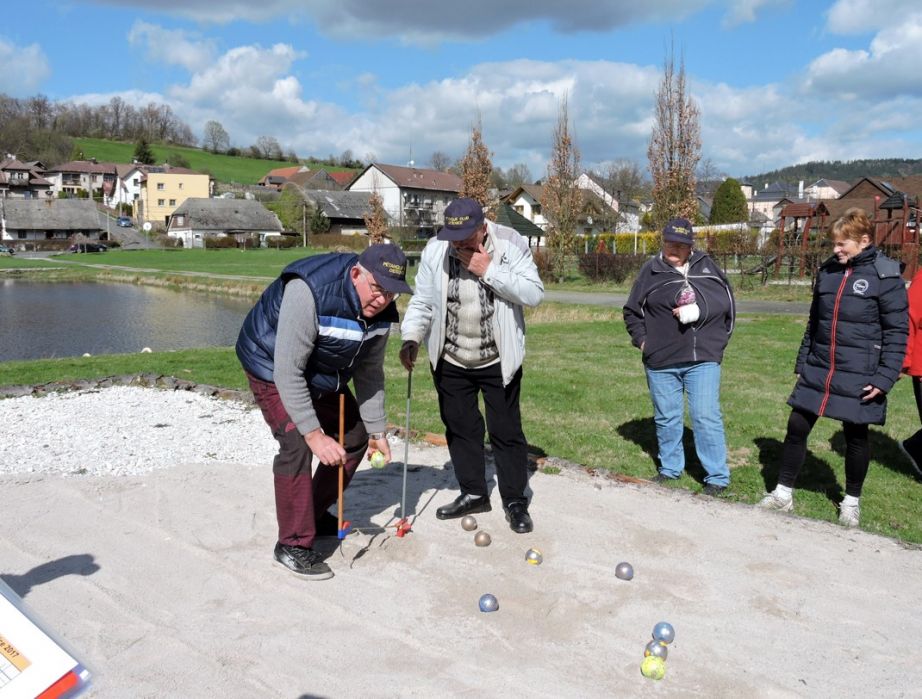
377	435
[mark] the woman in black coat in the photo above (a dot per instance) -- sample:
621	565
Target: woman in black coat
850	357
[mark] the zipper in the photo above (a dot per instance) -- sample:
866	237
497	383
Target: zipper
832	342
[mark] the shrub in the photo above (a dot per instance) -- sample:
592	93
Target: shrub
603	266
283	242
335	240
542	262
217	242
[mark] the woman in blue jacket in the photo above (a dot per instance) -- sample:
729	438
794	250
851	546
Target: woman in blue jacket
849	359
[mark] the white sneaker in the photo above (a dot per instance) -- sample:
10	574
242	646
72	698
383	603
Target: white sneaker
849	515
773	501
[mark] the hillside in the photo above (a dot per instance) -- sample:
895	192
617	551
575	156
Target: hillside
224	168
849	170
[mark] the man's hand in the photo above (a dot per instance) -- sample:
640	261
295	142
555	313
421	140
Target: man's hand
408	352
475	261
379	445
325	448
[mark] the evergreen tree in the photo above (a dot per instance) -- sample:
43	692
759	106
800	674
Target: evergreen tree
142	152
729	204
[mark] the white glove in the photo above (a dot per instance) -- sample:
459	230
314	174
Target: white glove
689	313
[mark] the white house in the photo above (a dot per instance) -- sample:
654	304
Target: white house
414	197
526	201
197	218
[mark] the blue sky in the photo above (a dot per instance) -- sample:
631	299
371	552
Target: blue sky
777	81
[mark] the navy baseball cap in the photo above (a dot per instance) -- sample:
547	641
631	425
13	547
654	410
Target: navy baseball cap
462	217
679	230
388	265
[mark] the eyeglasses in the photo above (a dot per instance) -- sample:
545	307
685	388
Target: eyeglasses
376	290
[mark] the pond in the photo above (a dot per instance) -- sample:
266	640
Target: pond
40	320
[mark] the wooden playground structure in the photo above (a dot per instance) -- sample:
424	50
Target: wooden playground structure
896	230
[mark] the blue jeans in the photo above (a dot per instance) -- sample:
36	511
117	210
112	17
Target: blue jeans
701	381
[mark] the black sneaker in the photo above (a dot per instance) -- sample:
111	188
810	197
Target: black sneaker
662	478
714	491
304	562
327	525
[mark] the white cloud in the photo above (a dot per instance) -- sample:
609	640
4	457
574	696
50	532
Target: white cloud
24	68
172	46
743	11
888	68
860	16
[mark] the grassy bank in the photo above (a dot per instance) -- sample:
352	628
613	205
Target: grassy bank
584	399
224	168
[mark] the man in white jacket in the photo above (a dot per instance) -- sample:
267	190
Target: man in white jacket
474	279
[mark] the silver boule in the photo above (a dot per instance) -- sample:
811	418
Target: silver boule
488	603
656	648
624	571
664	633
533	557
482	539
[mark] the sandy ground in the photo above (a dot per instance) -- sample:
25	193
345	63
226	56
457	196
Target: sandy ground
164	585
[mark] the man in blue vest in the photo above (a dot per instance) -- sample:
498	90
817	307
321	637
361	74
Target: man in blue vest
323	322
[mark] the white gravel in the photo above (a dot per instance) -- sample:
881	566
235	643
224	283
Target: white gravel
127	431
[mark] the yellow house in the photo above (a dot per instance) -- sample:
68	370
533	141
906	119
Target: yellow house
165	188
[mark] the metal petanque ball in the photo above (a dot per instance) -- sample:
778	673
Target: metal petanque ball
482	539
624	571
488	603
378	460
533	557
664	633
653	667
468	523
656	648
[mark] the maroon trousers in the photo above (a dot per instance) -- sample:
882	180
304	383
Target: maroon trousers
300	497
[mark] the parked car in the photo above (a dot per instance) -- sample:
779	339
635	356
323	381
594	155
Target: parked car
6	250
124	221
87	247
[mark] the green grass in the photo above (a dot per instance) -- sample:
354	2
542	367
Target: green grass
584	399
224	168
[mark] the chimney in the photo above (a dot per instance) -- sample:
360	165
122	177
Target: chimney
800	190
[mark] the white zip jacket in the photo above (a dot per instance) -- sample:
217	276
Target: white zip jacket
512	276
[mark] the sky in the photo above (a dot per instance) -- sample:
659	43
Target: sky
777	82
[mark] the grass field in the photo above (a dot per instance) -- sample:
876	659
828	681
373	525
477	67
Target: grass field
224	168
584	399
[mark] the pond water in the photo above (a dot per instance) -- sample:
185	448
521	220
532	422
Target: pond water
40	320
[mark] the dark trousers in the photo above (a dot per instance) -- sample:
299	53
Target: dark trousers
857	451
914	443
301	497
459	391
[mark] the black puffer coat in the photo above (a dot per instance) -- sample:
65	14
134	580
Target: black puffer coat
856	336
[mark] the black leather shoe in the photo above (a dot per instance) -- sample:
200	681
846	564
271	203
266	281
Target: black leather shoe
464	504
518	518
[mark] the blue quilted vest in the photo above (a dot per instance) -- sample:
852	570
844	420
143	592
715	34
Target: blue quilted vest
342	334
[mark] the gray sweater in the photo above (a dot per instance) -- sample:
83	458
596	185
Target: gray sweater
295	337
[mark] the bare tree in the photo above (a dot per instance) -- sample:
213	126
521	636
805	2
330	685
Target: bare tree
562	199
440	161
518	175
214	137
675	147
376	219
709	177
626	182
477	172
269	147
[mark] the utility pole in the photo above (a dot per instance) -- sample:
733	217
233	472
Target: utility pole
304	222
